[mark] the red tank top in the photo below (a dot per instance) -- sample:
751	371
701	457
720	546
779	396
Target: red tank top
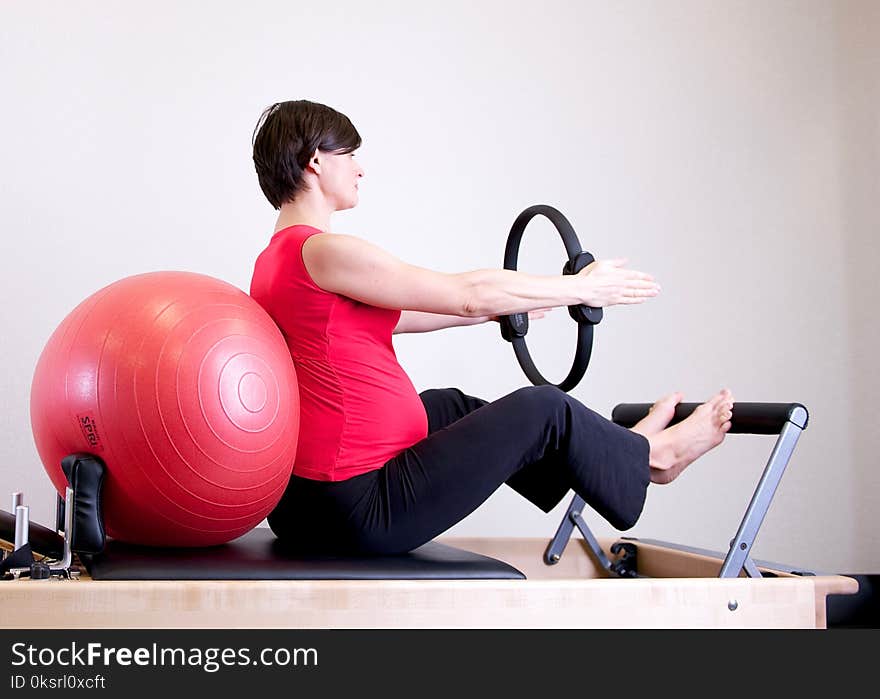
358	408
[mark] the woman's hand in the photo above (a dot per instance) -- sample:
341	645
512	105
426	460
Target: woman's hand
536	313
608	283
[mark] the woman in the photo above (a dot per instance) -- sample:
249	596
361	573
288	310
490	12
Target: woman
380	468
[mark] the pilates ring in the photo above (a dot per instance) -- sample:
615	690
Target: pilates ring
515	327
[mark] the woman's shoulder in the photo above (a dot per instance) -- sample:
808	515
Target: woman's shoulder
303	230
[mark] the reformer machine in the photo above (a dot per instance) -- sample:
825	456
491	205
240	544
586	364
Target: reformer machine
78	540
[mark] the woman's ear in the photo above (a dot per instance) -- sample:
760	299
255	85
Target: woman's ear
315	162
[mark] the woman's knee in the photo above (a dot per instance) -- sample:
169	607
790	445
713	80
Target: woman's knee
541	397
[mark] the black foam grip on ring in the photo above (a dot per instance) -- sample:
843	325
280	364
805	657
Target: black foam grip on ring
581	313
515	325
747	418
85	473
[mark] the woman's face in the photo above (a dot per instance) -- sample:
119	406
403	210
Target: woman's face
340	174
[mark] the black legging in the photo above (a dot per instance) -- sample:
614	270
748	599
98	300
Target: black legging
538	440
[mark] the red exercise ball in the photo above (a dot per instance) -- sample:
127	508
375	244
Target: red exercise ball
185	388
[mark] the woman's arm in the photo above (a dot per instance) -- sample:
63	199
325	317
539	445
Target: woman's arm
360	270
420	322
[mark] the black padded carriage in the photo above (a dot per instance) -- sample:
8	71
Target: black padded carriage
259	555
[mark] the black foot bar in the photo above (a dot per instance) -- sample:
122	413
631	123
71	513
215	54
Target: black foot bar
788	420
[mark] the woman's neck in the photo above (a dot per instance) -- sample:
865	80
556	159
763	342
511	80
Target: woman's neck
305	212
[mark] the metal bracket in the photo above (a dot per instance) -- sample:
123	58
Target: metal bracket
47	569
624	566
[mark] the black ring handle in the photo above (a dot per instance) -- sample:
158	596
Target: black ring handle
515	327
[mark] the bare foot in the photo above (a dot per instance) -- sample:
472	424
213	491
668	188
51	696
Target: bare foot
673	449
658	416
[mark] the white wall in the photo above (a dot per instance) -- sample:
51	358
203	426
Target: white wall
722	146
858	52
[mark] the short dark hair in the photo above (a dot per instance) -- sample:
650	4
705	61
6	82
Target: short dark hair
286	137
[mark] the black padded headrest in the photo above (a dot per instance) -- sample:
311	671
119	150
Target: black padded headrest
259	555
